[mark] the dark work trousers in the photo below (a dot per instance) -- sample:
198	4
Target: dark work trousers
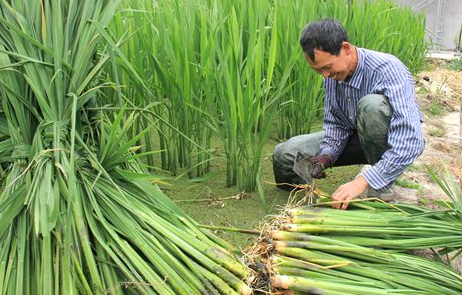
366	145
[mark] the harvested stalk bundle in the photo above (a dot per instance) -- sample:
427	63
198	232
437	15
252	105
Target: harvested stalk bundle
387	226
308	263
78	214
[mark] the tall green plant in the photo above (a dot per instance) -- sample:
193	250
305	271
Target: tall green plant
383	26
246	94
214	75
163	43
78	214
302	104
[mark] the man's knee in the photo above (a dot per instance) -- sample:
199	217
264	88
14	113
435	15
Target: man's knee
285	153
280	153
373	121
282	167
307	144
374	114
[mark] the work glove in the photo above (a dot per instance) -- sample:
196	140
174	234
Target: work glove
319	163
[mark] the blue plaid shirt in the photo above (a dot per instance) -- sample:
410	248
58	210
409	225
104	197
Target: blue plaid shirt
376	73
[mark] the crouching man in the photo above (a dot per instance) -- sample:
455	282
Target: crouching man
370	115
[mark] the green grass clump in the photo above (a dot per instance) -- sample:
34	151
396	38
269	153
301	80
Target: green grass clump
408	184
455	64
436	132
434	109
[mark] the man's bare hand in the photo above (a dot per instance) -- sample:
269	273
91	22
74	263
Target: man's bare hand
348	191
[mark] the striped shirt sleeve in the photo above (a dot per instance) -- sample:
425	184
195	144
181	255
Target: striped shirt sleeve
336	132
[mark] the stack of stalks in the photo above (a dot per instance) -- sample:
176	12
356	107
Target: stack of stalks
78	214
320	250
398	226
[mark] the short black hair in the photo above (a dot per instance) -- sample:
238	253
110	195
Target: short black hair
326	35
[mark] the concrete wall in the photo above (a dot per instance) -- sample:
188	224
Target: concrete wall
450	22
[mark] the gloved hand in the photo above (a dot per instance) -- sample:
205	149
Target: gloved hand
319	163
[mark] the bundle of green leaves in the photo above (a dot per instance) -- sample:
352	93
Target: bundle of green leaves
78	214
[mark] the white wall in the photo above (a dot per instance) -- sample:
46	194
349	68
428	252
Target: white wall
451	21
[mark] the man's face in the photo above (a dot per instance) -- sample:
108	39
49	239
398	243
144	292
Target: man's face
337	67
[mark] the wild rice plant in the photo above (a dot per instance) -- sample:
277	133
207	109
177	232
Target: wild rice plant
246	94
302	104
166	59
384	26
226	58
78	214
